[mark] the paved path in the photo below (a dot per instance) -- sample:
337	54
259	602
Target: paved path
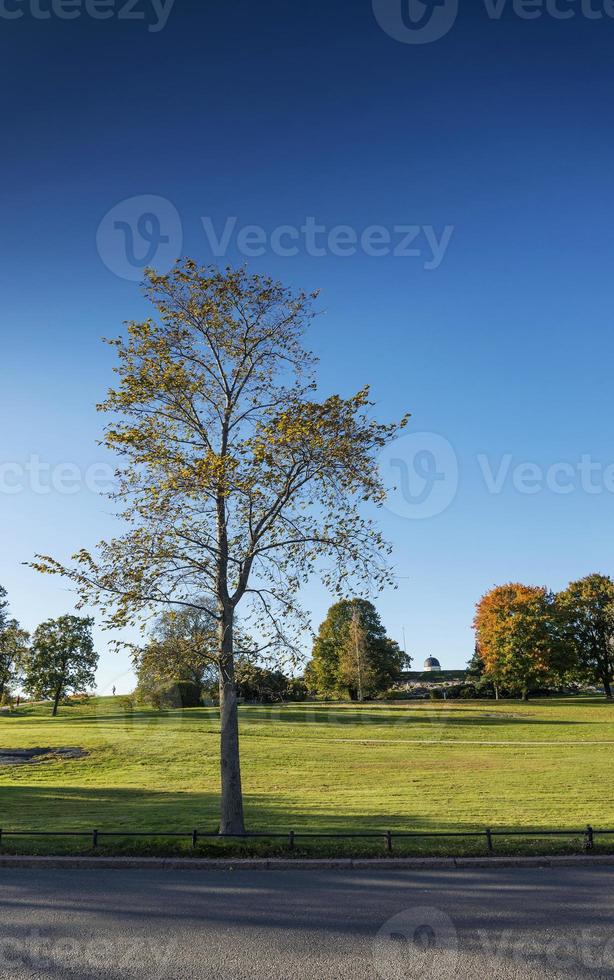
307	925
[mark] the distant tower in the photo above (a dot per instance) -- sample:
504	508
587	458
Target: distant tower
432	664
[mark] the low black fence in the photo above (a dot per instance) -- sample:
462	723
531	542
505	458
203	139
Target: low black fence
586	834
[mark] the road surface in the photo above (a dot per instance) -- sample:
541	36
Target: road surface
308	925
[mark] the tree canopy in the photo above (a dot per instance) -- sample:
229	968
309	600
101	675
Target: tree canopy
61	659
13	647
516	636
352	655
587	614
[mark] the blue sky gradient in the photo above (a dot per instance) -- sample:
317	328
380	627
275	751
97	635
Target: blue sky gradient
275	112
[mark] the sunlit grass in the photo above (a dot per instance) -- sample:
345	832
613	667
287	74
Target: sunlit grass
410	766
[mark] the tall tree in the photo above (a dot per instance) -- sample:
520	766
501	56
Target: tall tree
516	636
352	653
356	667
13	646
587	614
61	659
236	483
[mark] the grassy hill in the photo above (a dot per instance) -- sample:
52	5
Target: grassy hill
406	766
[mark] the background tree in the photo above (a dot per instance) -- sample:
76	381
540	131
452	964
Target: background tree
334	668
356	668
61	659
182	648
475	667
587	623
266	686
516	636
13	646
237	484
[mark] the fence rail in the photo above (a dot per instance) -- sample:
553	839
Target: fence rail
587	833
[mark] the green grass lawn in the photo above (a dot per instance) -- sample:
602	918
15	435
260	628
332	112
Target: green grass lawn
442	766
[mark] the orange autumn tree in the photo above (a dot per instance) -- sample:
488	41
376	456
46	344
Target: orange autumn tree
516	636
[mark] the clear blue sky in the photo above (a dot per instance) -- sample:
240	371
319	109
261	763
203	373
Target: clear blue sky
278	111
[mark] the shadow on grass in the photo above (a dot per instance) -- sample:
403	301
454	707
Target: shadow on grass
56	810
482	714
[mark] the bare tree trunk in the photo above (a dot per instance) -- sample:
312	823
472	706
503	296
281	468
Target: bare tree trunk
231	807
607	688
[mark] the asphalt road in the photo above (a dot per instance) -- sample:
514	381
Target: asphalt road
308	925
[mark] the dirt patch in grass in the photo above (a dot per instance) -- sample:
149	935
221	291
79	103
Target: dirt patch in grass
22	757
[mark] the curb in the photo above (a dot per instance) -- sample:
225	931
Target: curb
315	864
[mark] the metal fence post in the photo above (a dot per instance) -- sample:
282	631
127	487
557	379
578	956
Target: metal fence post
94	838
194	838
389	841
291	840
489	842
588	838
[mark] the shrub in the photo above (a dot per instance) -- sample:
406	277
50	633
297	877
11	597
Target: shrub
180	694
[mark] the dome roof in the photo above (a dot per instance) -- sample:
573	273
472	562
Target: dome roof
432	663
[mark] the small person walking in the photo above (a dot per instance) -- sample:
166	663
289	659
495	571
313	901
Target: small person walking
114	690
